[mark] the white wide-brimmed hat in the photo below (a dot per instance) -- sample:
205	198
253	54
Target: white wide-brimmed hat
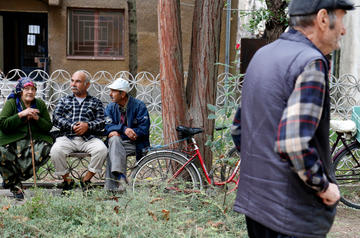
120	84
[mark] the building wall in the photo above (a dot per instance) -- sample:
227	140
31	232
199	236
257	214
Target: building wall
350	44
147	26
23	5
148	48
57	19
1	44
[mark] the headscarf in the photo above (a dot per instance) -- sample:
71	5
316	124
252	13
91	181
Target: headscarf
22	83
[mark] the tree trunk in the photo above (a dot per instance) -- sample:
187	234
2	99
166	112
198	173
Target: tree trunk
275	25
132	22
171	68
203	71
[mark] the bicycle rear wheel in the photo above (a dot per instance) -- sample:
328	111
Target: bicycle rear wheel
346	168
156	171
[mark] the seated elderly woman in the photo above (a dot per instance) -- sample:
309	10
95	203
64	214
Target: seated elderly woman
23	112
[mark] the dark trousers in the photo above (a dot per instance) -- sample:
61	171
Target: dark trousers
257	230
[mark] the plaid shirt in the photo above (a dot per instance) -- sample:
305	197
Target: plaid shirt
68	111
298	124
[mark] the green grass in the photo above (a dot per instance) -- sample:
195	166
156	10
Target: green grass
131	215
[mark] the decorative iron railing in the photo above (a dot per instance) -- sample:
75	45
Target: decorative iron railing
344	93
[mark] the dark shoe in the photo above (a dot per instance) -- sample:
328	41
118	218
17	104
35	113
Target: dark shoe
18	193
86	185
67	186
120	176
121	189
123	185
19	196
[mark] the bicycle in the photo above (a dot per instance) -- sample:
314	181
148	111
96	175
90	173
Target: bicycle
346	162
175	168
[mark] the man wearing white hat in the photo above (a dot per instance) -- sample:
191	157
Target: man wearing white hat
127	127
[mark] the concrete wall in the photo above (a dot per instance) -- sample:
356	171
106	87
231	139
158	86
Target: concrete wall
23	5
1	44
57	19
350	44
148	48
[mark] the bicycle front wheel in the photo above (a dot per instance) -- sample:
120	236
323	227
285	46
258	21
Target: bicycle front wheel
157	170
346	168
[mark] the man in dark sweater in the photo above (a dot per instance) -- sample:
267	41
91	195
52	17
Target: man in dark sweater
285	187
127	127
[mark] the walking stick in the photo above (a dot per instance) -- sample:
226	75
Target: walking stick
32	153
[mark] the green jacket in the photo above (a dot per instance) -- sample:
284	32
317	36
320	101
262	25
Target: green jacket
12	128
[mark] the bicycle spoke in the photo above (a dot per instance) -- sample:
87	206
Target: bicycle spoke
347	174
158	169
223	172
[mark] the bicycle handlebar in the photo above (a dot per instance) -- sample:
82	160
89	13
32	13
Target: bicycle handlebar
221	128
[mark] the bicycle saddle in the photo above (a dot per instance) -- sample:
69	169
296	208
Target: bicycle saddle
343	126
187	131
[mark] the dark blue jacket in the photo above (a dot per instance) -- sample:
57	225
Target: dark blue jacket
138	119
269	191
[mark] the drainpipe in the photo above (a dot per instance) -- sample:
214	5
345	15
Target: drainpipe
227	38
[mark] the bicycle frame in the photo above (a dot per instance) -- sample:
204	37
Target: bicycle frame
197	154
343	140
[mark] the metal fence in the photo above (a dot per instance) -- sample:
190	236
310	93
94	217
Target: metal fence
51	87
344	93
57	84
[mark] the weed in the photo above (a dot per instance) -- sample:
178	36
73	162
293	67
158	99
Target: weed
138	214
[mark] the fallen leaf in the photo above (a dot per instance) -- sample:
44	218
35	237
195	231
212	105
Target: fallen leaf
152	215
116	209
5	208
166	214
155	200
216	224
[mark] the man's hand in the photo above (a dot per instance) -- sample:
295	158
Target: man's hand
80	128
29	113
130	133
113	133
331	195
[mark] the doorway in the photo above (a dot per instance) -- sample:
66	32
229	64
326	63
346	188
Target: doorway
25	41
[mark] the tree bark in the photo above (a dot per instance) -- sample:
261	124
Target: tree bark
203	71
171	68
275	25
132	22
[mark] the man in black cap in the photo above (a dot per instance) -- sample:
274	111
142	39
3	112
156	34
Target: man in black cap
285	187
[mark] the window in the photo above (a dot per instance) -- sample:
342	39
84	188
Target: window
94	33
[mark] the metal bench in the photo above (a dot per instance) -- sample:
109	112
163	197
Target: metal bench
52	87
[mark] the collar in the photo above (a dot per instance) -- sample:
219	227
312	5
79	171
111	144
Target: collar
74	96
294	35
124	108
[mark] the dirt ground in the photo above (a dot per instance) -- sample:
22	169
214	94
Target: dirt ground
347	223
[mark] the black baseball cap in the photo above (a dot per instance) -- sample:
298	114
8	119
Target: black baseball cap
308	7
